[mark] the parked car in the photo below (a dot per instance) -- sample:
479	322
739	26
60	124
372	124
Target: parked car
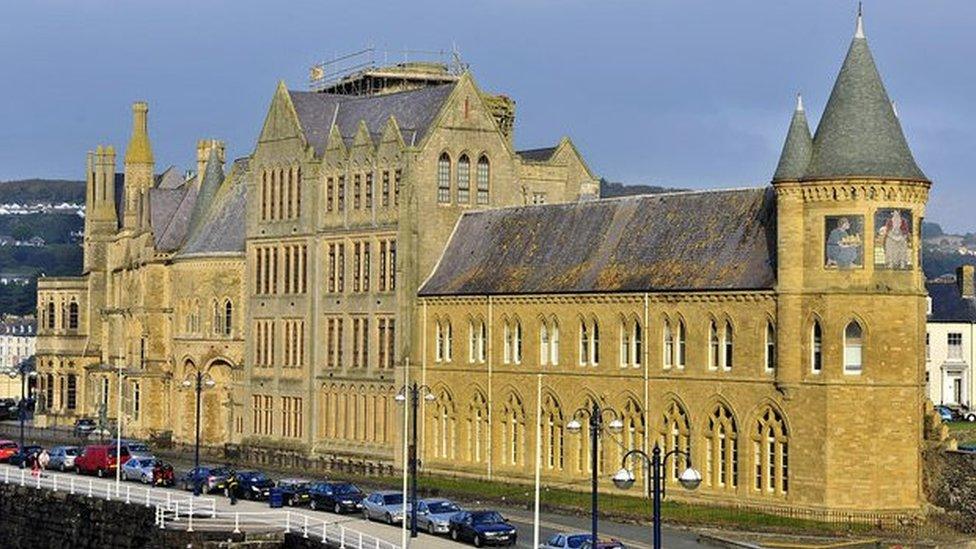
482	528
22	458
434	514
603	544
99	459
63	458
139	468
385	505
566	541
947	413
7	449
8	408
213	478
962	412
294	491
252	485
136	448
340	497
84	427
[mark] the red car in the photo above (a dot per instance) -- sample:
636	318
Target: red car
7	449
99	460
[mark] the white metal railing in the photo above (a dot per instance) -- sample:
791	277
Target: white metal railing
286	520
168	500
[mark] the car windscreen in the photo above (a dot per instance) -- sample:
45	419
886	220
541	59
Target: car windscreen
392	499
8	445
576	541
71	451
147	463
138	448
346	489
490	517
438	507
258	477
220	471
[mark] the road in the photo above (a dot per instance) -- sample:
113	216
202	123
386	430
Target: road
633	535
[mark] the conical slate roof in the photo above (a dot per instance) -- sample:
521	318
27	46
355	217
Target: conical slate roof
859	134
797	149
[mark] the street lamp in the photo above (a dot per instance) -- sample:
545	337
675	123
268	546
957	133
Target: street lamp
690	478
414	391
202	381
22	371
595	419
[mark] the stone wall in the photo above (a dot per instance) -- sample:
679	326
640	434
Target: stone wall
953	487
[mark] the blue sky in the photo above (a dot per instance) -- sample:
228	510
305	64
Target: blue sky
683	93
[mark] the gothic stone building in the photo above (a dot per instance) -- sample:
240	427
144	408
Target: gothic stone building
287	281
776	333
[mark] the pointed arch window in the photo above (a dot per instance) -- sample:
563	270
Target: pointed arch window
770	442
630	343
584	343
721	450
675	435
50	315
714	346
472	342
729	346
482	341
73	315
668	345
770	347
543	344
513	430
853	348
682	345
444	426
464	180
816	348
517	342
218	316
448	352
438	341
552	433
444	179
553	342
477	429
484	180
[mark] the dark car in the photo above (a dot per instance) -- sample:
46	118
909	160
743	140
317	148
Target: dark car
340	497
948	413
8	408
22	458
84	427
482	528
294	491
252	485
212	478
962	412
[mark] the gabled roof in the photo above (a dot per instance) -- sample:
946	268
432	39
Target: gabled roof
414	111
222	228
712	240
795	157
859	134
949	305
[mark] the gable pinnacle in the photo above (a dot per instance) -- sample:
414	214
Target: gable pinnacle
799	102
859	32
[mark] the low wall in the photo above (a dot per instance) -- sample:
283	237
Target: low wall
953	488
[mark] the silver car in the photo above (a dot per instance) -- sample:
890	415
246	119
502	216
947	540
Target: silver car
63	458
566	541
139	468
434	515
385	505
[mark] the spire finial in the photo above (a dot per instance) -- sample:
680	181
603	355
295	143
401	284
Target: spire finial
799	102
859	33
894	109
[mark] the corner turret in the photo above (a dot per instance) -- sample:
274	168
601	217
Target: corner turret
139	167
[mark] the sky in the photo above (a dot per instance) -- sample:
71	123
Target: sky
684	93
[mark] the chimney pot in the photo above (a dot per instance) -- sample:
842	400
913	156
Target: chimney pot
966	280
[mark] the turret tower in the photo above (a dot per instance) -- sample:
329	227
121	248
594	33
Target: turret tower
101	219
850	201
139	168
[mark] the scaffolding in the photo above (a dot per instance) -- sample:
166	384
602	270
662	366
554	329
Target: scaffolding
370	71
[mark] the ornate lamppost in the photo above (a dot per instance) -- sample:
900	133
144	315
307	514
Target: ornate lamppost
413	392
200	382
597	423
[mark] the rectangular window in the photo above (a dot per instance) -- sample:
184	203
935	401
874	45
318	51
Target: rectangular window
136	400
390	343
294	348
72	400
341	268
381	342
366	266
329	193
330	342
396	186
369	190
954	340
386	188
331	269
264	343
360	342
382	266
341	193
356	265
538	198
356	191
391	268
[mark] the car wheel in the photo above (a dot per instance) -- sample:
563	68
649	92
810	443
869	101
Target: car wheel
430	528
100	473
312	505
389	518
477	541
971	418
365	514
62	467
454	534
337	509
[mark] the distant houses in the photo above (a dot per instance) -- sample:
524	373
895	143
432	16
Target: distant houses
32	242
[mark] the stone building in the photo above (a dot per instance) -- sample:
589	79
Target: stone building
776	333
286	283
950	354
18	337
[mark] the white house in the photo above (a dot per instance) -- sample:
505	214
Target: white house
950	354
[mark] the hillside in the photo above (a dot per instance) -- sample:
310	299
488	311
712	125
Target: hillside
41	191
612	189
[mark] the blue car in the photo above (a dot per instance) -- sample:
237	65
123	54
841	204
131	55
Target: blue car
946	413
211	478
338	497
482	528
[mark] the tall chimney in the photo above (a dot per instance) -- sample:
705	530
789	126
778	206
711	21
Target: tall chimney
966	279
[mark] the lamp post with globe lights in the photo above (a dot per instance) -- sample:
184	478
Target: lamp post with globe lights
597	423
24	371
203	380
690	478
413	392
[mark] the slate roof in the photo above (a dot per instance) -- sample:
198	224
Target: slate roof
221	229
948	304
712	240
414	111
169	232
795	158
537	155
859	134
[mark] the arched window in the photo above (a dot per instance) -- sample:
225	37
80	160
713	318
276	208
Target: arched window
448	352
543	343
513	430
508	343
682	344
721	451
444	179
713	346
517	342
553	342
625	342
472	342
638	339
438	341
634	431
228	317
595	343
668	345
675	434
217	317
464	180
482	341
50	315
816	348
853	348
73	315
477	429
444	426
552	433
770	442
630	343
729	347
584	343
484	180
770	347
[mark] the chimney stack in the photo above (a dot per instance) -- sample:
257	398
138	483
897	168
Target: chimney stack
966	279
204	146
